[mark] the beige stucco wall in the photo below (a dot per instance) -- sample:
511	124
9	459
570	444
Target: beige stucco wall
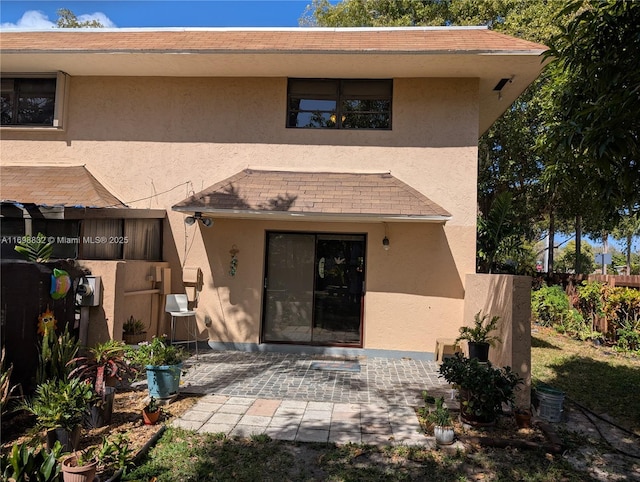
508	297
158	140
129	288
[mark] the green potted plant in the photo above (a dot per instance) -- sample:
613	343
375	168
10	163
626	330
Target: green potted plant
482	388
80	466
133	331
151	412
103	366
442	425
59	407
478	336
163	364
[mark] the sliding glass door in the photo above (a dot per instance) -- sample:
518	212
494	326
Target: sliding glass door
314	288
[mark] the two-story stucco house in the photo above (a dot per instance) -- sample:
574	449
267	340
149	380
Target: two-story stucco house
322	180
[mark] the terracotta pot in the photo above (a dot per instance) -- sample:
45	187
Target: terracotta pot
523	419
150	418
72	473
131	339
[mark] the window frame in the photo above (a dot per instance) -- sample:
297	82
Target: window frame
340	97
61	96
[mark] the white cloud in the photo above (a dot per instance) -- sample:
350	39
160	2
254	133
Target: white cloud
99	16
37	20
31	20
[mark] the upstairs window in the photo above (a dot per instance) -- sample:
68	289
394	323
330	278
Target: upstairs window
339	104
36	100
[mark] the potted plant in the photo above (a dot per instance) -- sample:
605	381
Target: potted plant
163	363
479	337
59	407
482	389
523	417
151	412
442	425
102	367
133	331
80	467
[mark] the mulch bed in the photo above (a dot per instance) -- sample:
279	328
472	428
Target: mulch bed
18	427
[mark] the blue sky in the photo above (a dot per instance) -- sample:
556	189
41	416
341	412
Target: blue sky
151	13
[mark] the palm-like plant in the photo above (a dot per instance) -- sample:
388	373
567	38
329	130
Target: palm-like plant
60	403
103	361
36	249
480	331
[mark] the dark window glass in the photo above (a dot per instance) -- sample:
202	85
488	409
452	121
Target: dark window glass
112	239
339	104
65	235
28	101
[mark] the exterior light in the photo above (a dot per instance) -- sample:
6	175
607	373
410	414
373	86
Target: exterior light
385	243
206	222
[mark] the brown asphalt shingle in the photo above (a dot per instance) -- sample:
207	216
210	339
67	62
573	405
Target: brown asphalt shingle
68	186
314	193
463	40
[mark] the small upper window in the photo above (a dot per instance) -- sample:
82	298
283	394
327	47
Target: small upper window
339	104
28	101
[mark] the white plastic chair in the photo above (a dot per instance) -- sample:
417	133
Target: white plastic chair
178	307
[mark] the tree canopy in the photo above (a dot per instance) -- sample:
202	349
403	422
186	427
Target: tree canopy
68	19
567	149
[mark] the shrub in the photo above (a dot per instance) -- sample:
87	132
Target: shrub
550	305
622	305
590	300
576	326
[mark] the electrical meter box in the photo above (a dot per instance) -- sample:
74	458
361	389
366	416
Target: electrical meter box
88	291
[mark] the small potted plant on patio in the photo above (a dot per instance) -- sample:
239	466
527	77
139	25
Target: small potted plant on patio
163	364
133	331
442	425
151	412
102	367
482	388
59	407
479	337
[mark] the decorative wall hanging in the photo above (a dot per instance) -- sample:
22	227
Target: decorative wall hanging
60	284
46	322
233	265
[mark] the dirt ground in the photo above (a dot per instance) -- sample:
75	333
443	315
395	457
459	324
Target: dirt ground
17	427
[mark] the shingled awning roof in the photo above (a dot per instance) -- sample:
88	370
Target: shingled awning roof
63	186
322	196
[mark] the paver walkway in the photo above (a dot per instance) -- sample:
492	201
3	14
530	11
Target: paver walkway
283	396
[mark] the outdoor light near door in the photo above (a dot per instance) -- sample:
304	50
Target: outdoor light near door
385	243
190	220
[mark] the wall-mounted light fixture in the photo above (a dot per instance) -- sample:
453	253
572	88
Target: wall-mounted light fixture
500	85
206	222
385	240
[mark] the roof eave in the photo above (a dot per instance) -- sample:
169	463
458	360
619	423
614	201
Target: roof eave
306	216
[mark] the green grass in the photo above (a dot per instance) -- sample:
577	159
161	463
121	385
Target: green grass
187	456
596	377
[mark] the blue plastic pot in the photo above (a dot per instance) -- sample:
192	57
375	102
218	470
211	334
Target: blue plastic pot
164	380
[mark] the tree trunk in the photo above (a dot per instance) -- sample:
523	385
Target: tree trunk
552	228
605	249
629	240
578	267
